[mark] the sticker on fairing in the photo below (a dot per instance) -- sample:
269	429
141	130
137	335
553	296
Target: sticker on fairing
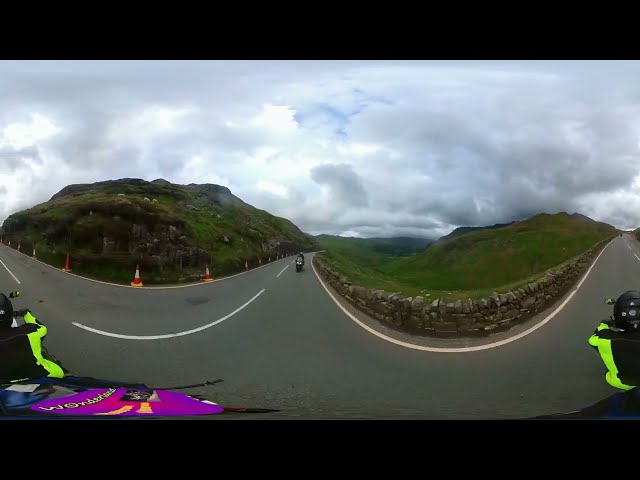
127	402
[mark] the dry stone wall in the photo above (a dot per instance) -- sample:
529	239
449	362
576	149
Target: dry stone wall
439	317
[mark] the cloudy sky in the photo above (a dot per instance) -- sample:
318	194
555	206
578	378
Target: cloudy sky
342	147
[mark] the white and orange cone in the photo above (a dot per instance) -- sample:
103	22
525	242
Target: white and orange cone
136	280
67	266
207	277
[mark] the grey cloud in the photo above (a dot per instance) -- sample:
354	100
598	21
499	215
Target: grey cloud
363	219
461	143
373	228
345	184
12	159
534	165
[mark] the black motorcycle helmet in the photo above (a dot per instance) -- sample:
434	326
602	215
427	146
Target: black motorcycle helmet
6	311
626	310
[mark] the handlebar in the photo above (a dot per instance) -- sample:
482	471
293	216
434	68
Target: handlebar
20	313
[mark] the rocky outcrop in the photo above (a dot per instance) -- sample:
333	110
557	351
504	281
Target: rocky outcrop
165	245
108	226
462	318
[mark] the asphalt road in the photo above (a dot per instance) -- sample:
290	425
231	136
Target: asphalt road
290	346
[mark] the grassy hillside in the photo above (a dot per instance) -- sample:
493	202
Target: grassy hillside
497	257
476	263
108	227
463	230
373	251
400	246
362	259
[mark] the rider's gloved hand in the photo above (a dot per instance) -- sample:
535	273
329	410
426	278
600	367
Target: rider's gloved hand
21	313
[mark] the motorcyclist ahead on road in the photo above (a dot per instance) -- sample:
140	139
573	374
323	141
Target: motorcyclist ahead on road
618	342
21	347
300	258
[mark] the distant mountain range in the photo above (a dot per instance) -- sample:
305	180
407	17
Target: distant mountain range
410	245
475	260
579	216
462	230
491	257
395	246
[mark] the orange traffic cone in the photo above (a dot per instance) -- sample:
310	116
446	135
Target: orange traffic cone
136	280
207	277
67	266
246	265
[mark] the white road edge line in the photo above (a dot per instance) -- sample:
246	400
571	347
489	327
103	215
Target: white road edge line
634	253
169	335
292	262
145	288
287	266
10	272
462	349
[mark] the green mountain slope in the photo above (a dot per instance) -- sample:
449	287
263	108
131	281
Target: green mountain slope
373	251
476	262
462	230
495	257
171	230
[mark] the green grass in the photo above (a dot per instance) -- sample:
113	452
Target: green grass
490	258
78	219
361	251
366	276
475	264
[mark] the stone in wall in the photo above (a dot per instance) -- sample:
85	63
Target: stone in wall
462	317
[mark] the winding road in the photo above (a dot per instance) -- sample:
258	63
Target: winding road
279	340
